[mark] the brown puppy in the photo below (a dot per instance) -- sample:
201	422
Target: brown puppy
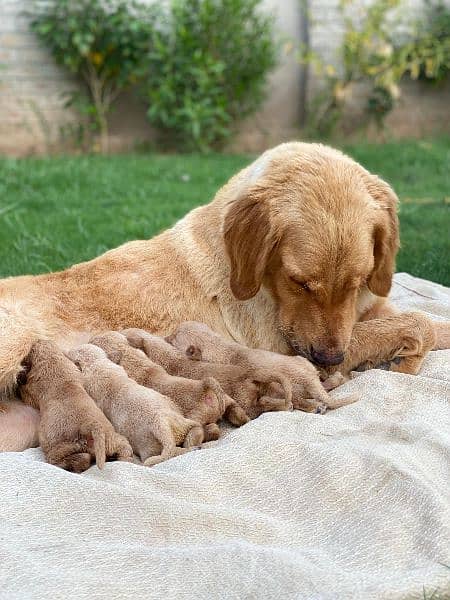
202	401
19	426
72	429
246	386
199	342
149	420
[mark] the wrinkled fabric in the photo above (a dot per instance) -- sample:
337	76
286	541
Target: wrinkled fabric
351	504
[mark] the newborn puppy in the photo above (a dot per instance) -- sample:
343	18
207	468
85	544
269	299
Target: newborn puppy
202	401
72	429
19	426
247	386
149	420
199	342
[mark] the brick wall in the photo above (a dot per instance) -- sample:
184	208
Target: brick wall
32	115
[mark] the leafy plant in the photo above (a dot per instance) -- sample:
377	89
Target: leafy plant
372	53
103	41
208	67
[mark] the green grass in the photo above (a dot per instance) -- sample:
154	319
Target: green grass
54	212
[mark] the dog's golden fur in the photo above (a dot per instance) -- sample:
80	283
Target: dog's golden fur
72	429
291	253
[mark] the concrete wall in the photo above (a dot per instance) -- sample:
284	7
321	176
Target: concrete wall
32	115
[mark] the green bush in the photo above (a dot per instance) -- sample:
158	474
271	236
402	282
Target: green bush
103	41
372	52
207	68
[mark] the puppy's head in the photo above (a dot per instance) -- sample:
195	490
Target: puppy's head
86	355
320	233
196	340
112	343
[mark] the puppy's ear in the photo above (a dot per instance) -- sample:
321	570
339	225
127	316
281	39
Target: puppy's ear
115	356
385	236
194	352
134	338
249	240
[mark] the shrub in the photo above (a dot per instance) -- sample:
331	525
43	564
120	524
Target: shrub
103	41
208	67
373	53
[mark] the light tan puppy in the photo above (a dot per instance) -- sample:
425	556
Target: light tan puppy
202	401
72	429
150	421
19	426
292	255
247	386
199	342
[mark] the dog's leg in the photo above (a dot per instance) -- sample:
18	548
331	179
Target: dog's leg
165	455
211	432
194	437
118	448
402	340
235	414
71	456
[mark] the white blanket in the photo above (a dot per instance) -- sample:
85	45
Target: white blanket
352	504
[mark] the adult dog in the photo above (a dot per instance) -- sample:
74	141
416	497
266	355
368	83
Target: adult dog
295	253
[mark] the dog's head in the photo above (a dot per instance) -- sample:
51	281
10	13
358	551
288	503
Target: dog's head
320	233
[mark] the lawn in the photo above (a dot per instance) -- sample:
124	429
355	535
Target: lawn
54	212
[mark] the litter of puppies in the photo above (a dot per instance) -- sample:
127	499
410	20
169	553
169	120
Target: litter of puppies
134	392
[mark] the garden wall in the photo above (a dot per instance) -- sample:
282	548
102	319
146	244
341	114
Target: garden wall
33	118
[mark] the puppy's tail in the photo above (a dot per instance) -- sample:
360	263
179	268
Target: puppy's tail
442	333
98	436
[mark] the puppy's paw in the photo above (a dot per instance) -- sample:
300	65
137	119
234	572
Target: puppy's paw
237	415
76	463
333	381
118	448
194	437
211	432
321	409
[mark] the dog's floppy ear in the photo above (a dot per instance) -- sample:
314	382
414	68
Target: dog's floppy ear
386	237
249	240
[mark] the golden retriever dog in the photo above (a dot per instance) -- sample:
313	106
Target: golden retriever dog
293	254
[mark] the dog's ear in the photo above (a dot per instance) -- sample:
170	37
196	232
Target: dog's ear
249	240
194	352
385	236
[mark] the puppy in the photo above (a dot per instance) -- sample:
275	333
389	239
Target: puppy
202	401
19	426
199	342
247	386
72	429
149	420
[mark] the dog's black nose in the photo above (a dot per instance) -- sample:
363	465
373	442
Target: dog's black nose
326	359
